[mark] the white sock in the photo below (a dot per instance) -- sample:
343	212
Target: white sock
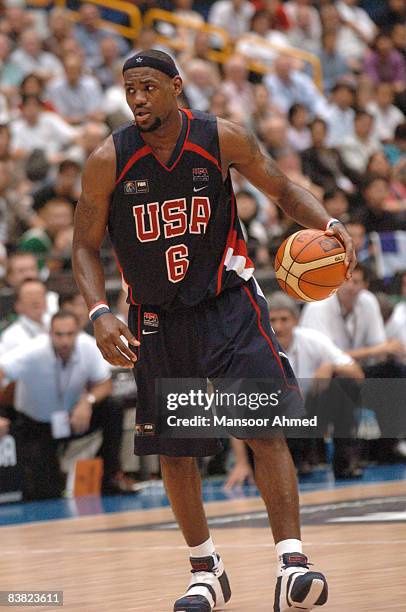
203	550
286	546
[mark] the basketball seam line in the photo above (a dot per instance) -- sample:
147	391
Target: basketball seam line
299	278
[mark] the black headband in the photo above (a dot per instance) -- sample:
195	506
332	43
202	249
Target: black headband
146	61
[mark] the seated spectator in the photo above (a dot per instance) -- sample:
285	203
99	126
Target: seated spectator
305	26
60	29
16	169
21	267
288	86
34	85
232	15
378	165
384	64
201	80
76	96
277	14
387	116
396	202
51	405
375	198
29	57
109	58
251	44
356	32
39	129
357	231
254	232
263	106
15	212
336	204
88	34
392	12
299	136
290	163
51	241
91	136
351	318
397	150
219	105
64	185
74	302
238	88
398	36
273	132
325	165
365	91
32	320
357	149
333	64
11	75
340	117
14	20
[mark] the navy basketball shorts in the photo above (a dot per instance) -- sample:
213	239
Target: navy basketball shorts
227	337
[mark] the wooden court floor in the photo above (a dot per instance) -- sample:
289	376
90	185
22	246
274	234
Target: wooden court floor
103	565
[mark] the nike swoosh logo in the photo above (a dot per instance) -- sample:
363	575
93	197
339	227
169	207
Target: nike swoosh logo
195	189
145	333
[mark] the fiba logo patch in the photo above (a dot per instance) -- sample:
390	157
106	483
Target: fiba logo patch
151	319
200	174
140	186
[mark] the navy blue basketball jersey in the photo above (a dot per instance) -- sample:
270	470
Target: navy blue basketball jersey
174	227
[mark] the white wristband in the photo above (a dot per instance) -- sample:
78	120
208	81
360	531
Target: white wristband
330	223
97	307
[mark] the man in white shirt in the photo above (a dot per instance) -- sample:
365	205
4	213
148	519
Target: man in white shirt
63	378
39	129
357	30
29	57
357	148
387	116
288	86
340	116
32	321
23	266
77	97
352	319
234	16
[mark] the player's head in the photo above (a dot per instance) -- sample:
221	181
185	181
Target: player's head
152	84
283	315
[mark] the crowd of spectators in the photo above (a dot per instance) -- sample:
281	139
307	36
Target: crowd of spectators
344	139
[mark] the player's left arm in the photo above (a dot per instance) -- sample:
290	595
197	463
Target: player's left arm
240	149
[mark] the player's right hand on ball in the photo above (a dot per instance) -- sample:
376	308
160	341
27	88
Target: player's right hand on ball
108	331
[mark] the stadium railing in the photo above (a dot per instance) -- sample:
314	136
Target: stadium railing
132	13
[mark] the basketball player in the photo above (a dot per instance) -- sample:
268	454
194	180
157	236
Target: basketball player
162	186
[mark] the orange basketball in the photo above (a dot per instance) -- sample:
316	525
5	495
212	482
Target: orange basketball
310	266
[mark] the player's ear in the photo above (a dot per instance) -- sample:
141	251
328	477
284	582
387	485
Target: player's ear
177	84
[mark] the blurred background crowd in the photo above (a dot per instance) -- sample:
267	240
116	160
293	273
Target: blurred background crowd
321	83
